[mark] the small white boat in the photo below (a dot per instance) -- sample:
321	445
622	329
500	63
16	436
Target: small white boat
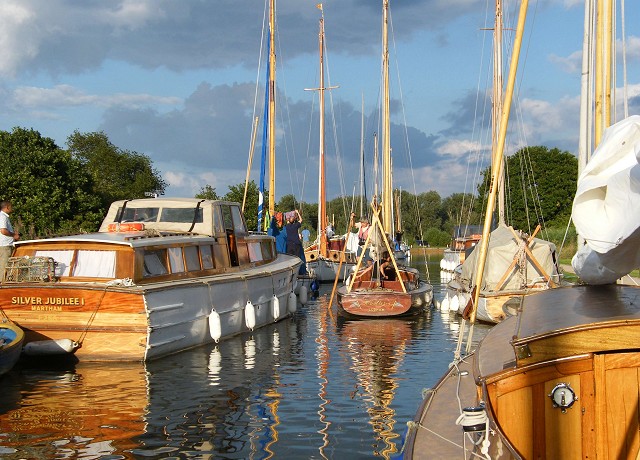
160	276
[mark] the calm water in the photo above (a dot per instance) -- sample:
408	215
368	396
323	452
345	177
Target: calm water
309	387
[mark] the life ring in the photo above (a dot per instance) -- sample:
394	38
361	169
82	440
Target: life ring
125	227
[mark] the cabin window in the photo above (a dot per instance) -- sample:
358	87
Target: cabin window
192	258
137	215
182	215
175	260
155	262
238	221
207	257
227	219
95	264
63	260
255	252
267	250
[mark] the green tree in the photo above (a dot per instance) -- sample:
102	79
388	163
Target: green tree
117	174
50	190
461	209
207	193
541	184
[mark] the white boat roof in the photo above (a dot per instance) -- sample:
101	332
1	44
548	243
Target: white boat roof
132	239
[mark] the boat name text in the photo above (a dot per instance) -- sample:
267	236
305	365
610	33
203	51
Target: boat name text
43	303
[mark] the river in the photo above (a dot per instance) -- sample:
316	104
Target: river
309	387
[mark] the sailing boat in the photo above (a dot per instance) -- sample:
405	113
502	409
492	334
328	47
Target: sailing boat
517	263
365	294
560	378
324	257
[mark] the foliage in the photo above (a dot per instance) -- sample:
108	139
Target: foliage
541	184
117	174
207	193
49	188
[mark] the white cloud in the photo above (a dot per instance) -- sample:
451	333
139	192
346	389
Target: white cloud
68	96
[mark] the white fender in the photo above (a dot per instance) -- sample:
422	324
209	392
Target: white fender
292	303
445	304
442	261
303	294
215	325
462	303
454	304
250	315
50	347
249	354
275	307
215	366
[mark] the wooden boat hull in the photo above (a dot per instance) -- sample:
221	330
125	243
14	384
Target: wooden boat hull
135	323
12	339
580	341
373	300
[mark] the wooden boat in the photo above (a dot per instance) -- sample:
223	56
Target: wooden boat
327	258
160	276
559	378
364	294
11	340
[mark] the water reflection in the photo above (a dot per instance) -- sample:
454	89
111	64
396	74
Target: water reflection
377	349
315	386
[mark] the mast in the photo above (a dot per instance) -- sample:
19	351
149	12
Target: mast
497	101
498	157
322	194
362	160
604	21
272	107
387	192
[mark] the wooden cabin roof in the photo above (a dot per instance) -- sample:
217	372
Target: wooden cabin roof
561	323
132	239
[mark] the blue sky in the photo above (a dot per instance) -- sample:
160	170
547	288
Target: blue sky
176	80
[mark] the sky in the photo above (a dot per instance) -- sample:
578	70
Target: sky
181	80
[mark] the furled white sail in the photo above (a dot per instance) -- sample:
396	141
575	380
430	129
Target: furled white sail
606	209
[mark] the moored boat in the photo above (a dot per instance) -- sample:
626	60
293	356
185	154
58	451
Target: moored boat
368	294
160	276
11	340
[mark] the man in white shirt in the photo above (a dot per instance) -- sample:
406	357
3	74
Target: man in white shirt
7	236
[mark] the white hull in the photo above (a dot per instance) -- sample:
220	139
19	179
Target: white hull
178	316
325	270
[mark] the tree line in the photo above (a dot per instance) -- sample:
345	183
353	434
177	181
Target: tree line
65	191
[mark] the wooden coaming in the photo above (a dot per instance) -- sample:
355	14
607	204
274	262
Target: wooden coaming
586	337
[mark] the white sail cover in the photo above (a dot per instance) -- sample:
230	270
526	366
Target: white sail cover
606	209
503	248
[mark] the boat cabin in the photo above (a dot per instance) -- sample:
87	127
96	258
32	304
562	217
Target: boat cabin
148	240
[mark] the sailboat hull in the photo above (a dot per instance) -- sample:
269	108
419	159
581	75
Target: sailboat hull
373	299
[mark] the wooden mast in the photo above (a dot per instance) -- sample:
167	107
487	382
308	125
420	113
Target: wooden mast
603	60
322	194
272	107
498	163
387	196
497	102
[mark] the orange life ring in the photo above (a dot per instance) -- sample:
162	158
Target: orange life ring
125	227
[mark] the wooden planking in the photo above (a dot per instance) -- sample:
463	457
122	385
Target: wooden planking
621	396
517	406
587	404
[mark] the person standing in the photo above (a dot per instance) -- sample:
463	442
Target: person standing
294	245
7	236
305	237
